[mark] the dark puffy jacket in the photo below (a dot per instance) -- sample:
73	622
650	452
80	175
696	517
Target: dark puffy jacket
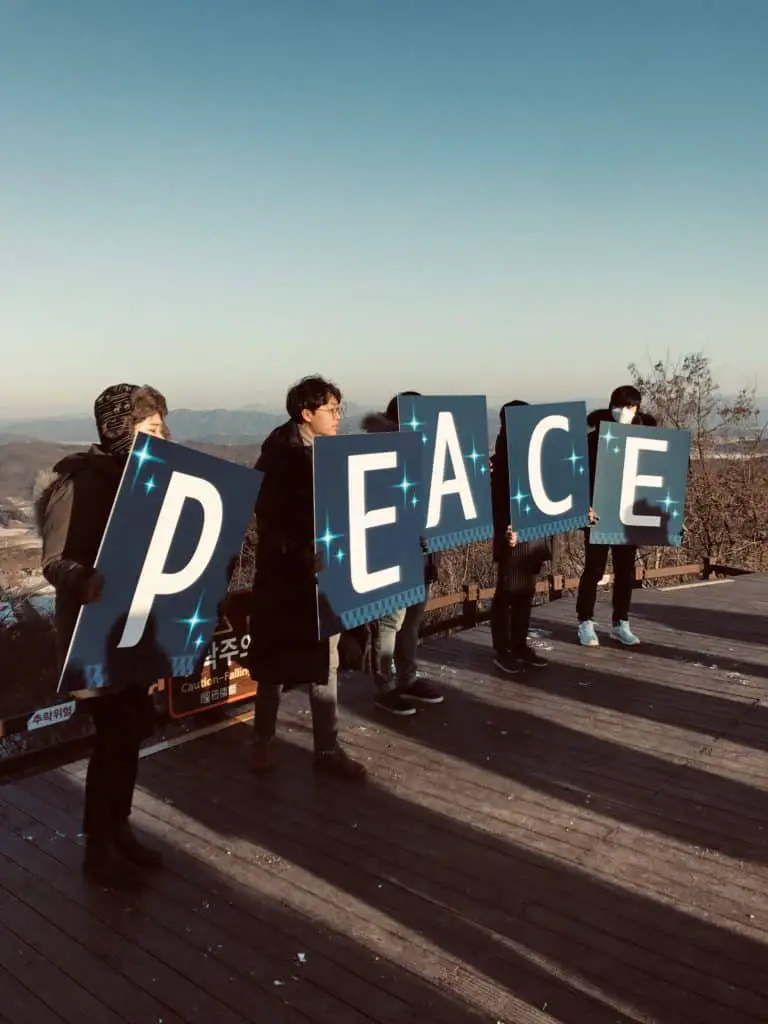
284	644
72	515
595	418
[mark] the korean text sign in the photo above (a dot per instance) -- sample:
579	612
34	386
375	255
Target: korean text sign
640	485
176	526
368	524
548	468
453	434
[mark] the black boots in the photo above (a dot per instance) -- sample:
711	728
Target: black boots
116	862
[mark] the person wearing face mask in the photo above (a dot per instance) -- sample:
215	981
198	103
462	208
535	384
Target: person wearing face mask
624	407
72	514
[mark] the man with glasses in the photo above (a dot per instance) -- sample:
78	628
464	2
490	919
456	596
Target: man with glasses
285	651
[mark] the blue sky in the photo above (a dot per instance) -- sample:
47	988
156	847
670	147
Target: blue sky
515	198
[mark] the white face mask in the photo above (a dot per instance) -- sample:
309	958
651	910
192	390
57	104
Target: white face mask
624	415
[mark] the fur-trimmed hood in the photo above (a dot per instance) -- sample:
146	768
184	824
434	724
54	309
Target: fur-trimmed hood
378	423
47	480
598	416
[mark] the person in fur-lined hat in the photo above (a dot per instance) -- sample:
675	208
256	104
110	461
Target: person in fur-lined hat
72	514
399	685
624	407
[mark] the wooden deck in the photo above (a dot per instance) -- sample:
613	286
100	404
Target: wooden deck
586	845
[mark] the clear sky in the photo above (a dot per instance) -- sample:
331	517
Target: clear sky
513	197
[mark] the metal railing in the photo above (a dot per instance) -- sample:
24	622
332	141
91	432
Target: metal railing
473	602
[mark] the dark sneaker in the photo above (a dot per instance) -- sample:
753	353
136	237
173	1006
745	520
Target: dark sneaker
104	865
526	657
337	762
506	663
422	692
263	758
137	853
394	703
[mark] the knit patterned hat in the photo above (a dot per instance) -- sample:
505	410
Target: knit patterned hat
118	409
113	410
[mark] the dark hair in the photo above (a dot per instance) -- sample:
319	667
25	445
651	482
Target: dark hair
509	405
310	393
625	396
391	410
147	401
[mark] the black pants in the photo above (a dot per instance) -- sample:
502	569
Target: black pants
511	611
323	703
121	720
595	561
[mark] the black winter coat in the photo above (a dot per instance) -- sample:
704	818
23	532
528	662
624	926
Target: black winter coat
595	418
284	644
72	515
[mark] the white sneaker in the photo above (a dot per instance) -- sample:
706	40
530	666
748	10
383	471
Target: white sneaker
624	634
587	635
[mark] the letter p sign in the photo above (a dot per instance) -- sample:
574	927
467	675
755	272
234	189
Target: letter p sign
154	580
175	530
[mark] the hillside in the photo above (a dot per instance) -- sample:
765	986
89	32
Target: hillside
21	461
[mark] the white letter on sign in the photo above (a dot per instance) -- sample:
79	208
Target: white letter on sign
447	441
631	480
153	580
361	520
538	493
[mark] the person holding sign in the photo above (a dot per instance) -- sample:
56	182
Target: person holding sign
72	515
624	407
399	686
285	651
518	567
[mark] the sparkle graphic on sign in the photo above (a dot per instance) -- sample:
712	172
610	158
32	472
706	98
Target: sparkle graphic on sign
520	498
608	437
194	620
328	538
616	449
668	503
339	556
143	455
575	461
414	501
405	485
199	641
150	485
414	423
475	456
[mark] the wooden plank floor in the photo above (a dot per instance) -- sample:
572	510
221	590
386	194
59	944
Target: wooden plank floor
587	844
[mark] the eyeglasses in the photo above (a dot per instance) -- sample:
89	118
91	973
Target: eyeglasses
334	410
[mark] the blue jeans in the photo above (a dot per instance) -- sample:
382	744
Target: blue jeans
398	642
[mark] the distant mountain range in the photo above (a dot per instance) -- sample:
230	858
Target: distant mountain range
241	427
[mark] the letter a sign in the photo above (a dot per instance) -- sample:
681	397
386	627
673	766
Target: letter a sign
176	527
453	433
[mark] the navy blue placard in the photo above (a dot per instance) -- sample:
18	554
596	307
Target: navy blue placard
453	432
368	524
548	468
176	526
640	485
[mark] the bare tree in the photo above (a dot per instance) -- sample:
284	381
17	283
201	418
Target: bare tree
727	504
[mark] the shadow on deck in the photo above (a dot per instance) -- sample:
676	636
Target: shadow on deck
585	845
